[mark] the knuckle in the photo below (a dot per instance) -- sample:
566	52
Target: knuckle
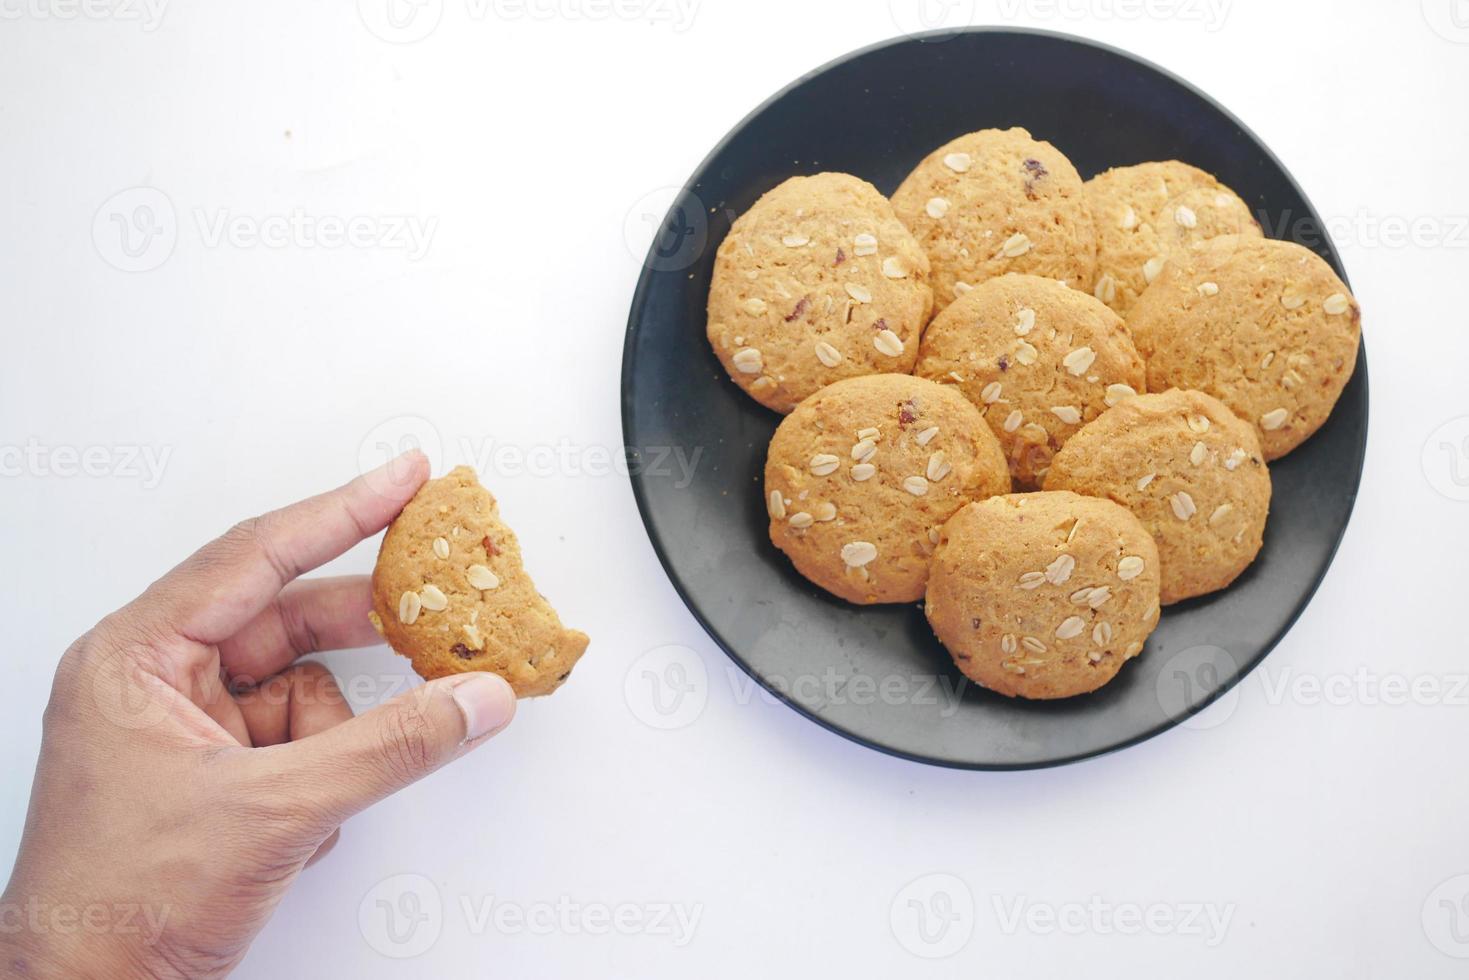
275	807
260	536
297	626
245	531
408	741
242	537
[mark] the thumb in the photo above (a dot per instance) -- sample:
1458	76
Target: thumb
349	767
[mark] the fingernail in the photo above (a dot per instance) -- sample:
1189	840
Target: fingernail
486	702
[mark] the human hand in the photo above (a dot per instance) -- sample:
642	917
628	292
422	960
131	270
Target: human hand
191	815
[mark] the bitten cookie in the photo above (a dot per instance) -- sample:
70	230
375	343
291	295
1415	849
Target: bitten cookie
449	592
860	476
1039	359
1150	212
998	201
1264	326
1043	595
1190	470
817	282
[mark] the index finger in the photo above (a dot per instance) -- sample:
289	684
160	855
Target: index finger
225	584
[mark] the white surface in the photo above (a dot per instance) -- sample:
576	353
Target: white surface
1321	824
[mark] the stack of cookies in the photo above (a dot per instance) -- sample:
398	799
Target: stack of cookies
1125	353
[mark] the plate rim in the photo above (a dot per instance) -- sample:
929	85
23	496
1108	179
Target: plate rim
638	479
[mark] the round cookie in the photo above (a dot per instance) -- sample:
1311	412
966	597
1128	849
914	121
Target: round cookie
450	593
860	476
1039	359
1043	595
1148	213
1193	474
1264	326
817	282
998	201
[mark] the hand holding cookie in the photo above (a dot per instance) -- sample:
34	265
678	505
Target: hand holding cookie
217	765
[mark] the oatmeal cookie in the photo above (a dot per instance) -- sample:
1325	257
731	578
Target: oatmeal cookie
860	476
1190	470
449	592
817	282
1043	595
998	201
1039	360
1264	326
1150	212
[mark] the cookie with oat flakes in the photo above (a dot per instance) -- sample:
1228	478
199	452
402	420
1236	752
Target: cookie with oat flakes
1193	473
1149	212
449	592
998	201
1265	326
1043	595
860	476
817	282
1038	359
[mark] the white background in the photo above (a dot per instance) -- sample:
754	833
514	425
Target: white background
1327	826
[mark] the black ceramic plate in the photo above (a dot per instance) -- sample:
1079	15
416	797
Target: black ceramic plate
876	674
